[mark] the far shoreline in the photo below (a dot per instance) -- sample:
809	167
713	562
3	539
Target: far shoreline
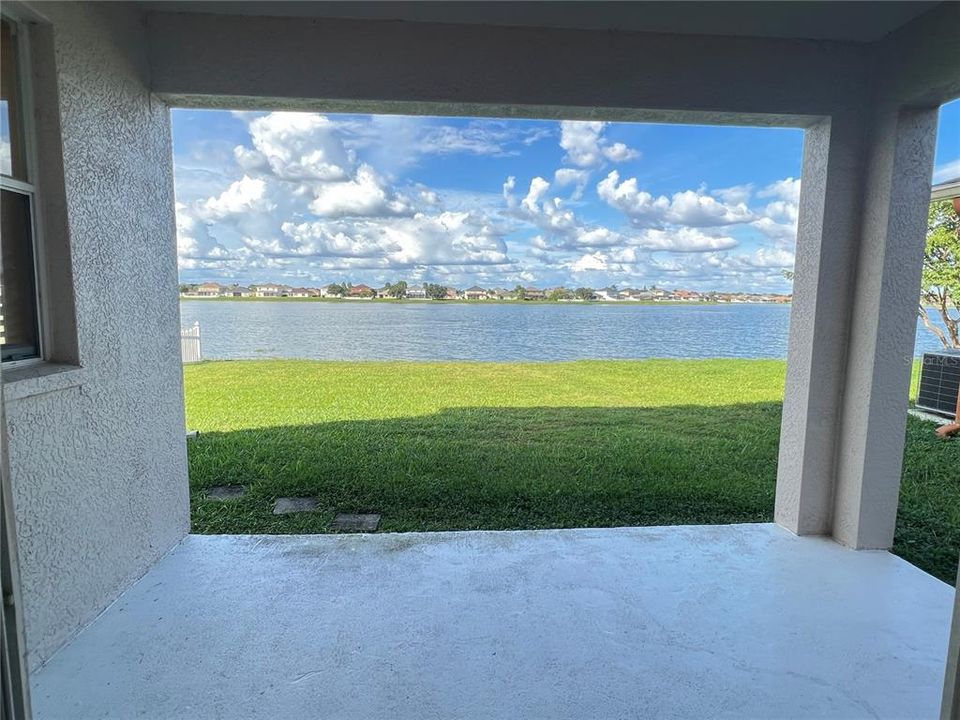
459	301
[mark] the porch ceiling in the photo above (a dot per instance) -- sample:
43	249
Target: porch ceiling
716	621
847	21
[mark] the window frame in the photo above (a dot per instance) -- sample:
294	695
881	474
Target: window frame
29	188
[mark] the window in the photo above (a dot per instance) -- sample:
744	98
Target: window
20	320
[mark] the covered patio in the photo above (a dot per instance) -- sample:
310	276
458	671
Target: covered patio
113	610
669	622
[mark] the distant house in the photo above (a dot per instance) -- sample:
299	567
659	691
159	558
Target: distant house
237	291
452	294
384	292
270	290
209	289
686	296
636	295
607	294
532	293
361	291
302	292
476	293
416	293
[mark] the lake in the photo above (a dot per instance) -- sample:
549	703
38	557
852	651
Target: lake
358	330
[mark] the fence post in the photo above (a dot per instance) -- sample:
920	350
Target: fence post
190	348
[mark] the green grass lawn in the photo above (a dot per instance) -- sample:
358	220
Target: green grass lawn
455	446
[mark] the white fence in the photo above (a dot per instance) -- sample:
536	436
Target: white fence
190	344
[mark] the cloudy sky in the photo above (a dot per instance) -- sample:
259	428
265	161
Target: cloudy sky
310	199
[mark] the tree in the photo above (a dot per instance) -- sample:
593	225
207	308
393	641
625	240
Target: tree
435	292
940	289
398	289
583	293
787	274
519	292
559	294
337	289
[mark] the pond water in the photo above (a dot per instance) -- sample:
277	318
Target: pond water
358	330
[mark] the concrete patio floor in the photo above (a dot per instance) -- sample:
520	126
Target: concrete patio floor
666	622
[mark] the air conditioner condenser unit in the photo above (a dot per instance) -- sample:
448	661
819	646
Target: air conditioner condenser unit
940	382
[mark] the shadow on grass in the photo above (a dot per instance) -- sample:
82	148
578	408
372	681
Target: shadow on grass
545	467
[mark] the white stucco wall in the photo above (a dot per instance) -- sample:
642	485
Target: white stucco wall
97	454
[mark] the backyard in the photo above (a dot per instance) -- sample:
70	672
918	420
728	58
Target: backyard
457	446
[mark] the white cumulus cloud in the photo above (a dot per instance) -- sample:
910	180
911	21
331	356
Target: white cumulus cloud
365	195
691	208
618	152
586	147
247	195
296	146
594	261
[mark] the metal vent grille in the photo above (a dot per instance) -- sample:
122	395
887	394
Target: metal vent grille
939	382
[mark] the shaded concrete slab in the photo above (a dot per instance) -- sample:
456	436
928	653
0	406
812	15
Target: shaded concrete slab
286	505
350	522
226	492
673	622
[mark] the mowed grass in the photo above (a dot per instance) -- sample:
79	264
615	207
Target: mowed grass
457	446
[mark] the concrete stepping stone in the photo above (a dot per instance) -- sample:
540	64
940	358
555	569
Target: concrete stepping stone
225	492
287	505
365	522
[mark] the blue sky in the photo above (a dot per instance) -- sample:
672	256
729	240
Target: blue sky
310	199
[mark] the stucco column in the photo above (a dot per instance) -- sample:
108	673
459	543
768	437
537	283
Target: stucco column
827	238
896	197
863	209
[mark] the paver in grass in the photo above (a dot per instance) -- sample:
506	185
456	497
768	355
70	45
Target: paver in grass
287	505
225	492
364	522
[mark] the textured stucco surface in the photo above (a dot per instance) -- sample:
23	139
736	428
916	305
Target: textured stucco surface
866	186
736	621
896	193
826	243
98	465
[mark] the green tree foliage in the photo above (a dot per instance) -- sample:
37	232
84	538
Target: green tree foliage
559	294
435	292
398	289
519	292
940	290
583	293
338	289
